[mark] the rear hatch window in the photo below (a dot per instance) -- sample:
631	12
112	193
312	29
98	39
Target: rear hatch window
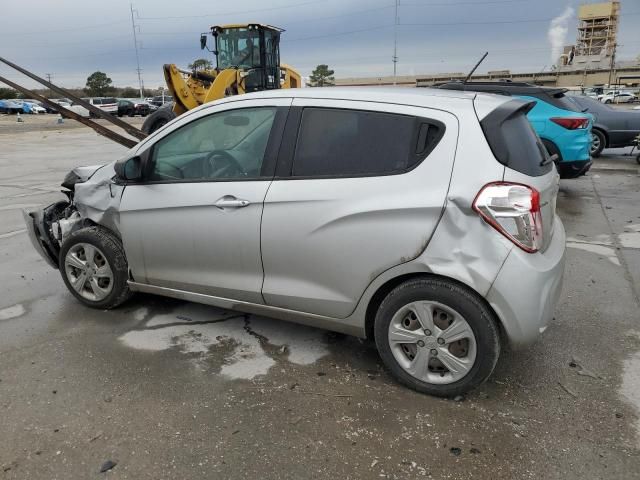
513	141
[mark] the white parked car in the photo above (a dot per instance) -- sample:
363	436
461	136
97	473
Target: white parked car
79	109
37	109
618	97
106	104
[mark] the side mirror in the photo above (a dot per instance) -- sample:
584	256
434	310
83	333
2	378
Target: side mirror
203	41
129	169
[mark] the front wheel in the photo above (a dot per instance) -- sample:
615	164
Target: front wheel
437	337
94	267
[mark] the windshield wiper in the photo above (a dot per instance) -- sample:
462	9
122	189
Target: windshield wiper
549	159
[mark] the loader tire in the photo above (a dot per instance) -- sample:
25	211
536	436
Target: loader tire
158	119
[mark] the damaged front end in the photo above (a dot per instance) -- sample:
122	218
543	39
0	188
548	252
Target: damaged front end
92	198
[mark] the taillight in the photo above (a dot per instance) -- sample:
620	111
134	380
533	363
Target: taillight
514	211
571	123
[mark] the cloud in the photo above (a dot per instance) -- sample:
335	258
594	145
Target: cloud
557	33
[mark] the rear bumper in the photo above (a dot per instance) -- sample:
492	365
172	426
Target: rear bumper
574	168
527	288
574	145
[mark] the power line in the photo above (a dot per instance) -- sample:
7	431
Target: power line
453	4
66	30
314	19
224	14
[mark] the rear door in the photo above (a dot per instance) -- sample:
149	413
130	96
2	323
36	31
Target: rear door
359	189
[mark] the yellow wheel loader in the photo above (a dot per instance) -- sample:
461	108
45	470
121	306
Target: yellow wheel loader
247	60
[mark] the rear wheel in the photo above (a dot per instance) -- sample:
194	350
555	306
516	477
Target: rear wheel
94	267
598	142
437	337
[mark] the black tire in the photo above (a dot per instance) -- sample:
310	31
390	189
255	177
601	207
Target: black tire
158	119
552	149
111	247
602	142
468	304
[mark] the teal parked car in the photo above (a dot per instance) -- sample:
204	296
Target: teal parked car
563	128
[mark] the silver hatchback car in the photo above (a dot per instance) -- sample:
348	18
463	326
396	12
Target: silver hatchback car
422	219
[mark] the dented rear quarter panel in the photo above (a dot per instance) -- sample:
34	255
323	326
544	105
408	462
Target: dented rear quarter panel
463	248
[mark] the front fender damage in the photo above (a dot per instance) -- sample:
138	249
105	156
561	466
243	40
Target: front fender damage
93	198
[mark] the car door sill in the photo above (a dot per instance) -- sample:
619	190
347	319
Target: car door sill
310	319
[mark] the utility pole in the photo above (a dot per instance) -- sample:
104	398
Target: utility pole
48	75
135	44
613	63
395	41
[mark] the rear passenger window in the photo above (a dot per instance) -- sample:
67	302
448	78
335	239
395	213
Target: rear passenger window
334	142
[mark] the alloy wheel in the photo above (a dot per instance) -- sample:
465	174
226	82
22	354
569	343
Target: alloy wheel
432	342
595	143
88	272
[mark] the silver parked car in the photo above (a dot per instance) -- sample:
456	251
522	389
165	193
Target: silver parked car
423	219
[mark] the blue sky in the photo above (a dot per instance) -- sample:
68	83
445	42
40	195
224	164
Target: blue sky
72	38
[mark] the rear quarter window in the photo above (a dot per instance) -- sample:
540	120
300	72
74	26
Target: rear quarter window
337	142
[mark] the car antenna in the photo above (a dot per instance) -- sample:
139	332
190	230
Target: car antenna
474	68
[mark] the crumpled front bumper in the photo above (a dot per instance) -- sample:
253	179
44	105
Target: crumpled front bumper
40	235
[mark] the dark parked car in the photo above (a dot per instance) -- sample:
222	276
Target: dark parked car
129	108
161	100
612	127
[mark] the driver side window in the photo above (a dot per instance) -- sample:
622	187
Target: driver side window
225	145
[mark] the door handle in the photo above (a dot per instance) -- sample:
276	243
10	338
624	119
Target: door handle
229	201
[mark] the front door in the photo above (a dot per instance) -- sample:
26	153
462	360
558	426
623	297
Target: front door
194	223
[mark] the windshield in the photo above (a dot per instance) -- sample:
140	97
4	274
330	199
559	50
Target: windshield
238	47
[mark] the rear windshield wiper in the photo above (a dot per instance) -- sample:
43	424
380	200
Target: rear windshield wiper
549	159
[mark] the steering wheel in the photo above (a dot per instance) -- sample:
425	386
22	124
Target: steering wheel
222	164
173	168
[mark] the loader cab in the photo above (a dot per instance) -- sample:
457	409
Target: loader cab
253	48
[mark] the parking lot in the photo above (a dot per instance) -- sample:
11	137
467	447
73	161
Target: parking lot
168	389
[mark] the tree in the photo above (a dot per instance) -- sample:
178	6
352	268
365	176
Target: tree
129	92
98	85
7	93
322	77
200	64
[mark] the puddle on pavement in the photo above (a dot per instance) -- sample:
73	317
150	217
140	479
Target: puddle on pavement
202	331
13	311
601	245
630	238
631	386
